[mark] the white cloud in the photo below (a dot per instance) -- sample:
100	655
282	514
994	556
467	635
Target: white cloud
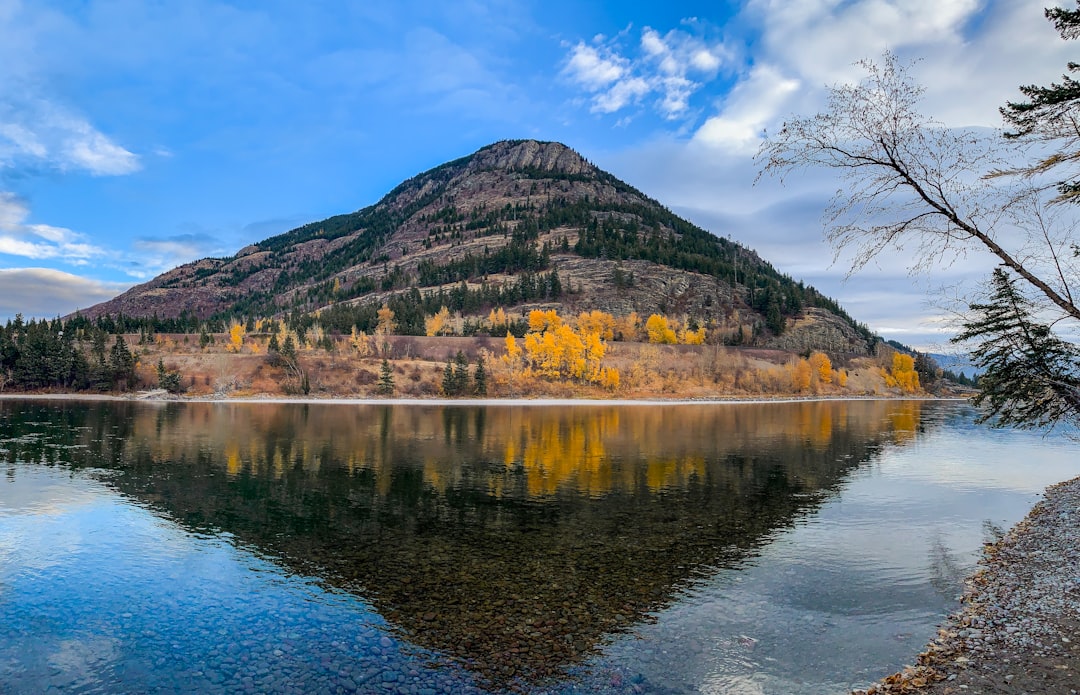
749	108
972	55
38	241
618	76
621	94
591	70
45	293
35	132
155	255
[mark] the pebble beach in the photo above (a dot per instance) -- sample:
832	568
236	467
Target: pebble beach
1018	628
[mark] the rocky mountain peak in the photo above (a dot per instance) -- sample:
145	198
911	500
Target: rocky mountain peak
518	155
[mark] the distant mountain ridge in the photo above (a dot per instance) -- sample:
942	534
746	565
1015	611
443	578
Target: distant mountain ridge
519	224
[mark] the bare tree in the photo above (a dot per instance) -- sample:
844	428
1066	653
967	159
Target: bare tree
935	193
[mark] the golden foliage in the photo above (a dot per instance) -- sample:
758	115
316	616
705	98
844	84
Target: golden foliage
554	351
497	318
659	331
386	325
801	374
903	373
628	327
437	324
689	337
236	337
822	367
361	342
598	322
540	321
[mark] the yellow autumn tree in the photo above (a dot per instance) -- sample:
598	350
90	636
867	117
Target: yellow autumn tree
360	342
236	337
628	327
540	321
497	318
437	324
659	330
903	372
692	337
386	324
556	351
596	321
821	367
801	374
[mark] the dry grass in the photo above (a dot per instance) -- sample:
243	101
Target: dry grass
646	371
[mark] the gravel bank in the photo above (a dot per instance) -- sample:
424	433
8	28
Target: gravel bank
1018	630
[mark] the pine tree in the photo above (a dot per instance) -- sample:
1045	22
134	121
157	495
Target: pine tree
122	364
386	379
288	349
1030	377
461	374
448	379
1050	113
480	377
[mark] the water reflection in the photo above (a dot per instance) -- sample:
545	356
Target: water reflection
514	539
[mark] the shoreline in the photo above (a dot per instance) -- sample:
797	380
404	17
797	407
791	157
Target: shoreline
163	397
1018	627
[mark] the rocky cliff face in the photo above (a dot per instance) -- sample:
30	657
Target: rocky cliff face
516	215
817	329
530	154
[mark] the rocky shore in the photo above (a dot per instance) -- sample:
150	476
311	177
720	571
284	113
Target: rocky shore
1018	630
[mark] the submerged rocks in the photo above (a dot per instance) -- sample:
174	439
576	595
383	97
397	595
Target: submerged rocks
1019	628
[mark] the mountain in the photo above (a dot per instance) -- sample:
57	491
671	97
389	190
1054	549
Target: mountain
518	224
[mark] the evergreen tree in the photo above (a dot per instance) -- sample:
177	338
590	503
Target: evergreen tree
461	374
456	375
480	377
386	378
448	379
1030	378
1050	114
122	364
168	379
288	349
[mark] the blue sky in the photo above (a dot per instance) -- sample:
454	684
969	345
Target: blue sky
136	135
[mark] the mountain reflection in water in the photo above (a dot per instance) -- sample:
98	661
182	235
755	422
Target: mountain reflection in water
512	538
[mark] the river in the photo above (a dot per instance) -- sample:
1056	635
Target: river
803	547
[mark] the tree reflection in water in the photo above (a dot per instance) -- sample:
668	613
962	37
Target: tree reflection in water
512	538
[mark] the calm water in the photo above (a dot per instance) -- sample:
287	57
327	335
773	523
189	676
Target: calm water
738	548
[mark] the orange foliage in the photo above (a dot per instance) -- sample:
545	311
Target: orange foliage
801	374
821	366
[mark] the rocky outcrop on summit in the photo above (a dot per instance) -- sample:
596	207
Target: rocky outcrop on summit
532	155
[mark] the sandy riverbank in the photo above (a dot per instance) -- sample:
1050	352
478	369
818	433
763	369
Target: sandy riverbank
1018	630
